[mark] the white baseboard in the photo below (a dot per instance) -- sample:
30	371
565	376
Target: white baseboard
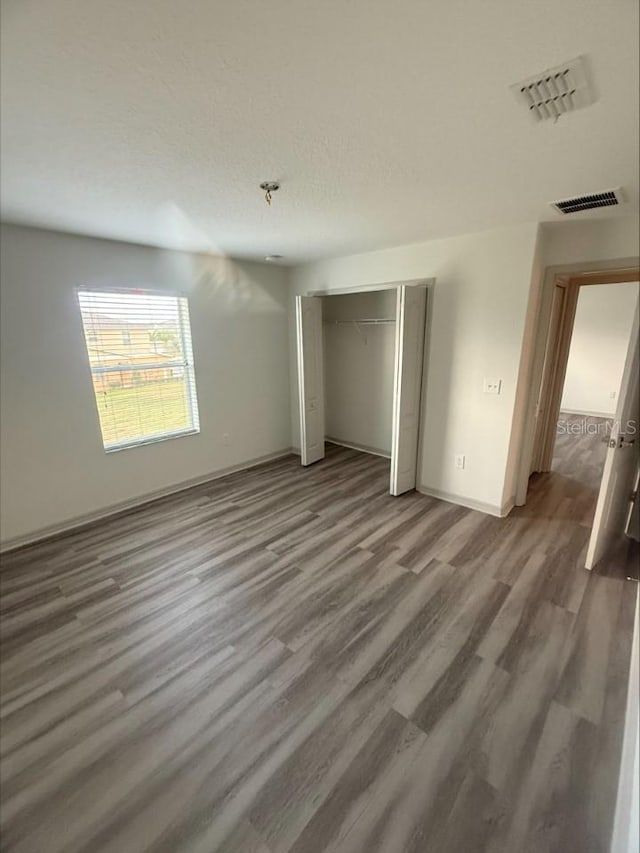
470	503
588	414
118	509
363	448
507	506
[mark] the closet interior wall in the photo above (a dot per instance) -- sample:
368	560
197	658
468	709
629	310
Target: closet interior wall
358	368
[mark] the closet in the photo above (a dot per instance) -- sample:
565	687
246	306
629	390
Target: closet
360	358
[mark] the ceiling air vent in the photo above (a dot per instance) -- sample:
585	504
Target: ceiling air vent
556	91
607	198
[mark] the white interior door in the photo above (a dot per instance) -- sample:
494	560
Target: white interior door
621	463
410	324
310	377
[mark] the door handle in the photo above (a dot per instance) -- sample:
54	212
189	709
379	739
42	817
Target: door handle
620	442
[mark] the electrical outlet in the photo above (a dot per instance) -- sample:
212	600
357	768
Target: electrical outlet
613	394
459	460
225	439
492	386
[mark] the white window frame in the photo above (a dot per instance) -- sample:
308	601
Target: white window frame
186	364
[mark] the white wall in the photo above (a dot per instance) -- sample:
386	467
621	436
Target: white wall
479	302
358	370
54	468
599	344
591	240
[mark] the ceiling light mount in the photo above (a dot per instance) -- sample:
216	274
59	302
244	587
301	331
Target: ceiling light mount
269	187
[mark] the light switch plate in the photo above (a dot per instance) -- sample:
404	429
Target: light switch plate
492	386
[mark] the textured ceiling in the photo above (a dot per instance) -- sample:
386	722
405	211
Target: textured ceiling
386	121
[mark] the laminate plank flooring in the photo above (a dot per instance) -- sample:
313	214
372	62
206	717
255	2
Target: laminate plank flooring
578	459
290	659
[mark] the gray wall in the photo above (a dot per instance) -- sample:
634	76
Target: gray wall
54	468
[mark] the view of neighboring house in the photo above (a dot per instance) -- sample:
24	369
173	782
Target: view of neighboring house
138	355
135	347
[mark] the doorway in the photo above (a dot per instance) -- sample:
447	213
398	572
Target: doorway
586	412
360	372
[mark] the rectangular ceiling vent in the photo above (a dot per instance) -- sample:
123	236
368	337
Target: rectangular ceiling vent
606	198
556	91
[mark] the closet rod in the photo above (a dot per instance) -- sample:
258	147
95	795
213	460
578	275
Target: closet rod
363	322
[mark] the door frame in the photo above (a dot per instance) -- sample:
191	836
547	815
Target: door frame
565	298
563	313
551	342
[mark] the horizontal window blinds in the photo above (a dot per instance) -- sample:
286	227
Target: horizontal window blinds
141	360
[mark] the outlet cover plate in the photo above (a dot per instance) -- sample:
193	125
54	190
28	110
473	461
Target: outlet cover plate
492	386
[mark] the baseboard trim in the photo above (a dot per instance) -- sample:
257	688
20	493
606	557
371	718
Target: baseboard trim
363	448
584	414
470	503
78	522
507	506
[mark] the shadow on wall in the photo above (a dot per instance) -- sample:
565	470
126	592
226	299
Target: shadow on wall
228	282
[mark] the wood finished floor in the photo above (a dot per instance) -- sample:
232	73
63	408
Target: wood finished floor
579	454
292	660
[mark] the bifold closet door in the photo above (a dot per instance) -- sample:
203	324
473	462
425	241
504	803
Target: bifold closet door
410	325
310	378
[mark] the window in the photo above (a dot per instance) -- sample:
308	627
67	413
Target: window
139	348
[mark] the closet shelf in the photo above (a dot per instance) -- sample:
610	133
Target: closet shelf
366	321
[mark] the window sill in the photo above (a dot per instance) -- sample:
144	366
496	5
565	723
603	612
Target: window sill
167	436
